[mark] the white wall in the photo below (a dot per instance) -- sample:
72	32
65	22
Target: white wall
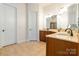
21	21
41	18
21	25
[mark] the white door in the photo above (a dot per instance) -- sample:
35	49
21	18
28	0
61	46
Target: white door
8	28
32	26
1	24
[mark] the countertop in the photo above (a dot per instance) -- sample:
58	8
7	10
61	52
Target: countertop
52	30
64	37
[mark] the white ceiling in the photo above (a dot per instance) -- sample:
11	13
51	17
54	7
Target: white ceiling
51	4
44	4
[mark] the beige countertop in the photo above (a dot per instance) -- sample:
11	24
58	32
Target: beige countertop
64	36
53	30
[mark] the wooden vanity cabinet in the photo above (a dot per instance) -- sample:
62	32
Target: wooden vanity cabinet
57	47
50	47
42	35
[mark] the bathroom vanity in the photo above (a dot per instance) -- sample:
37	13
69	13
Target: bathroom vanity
61	44
44	32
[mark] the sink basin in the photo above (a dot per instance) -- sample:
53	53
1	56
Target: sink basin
63	33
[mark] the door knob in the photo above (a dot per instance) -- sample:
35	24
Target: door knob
30	29
3	30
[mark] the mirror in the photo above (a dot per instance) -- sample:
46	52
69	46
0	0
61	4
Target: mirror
68	15
51	22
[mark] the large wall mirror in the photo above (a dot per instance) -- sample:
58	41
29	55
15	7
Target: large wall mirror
67	16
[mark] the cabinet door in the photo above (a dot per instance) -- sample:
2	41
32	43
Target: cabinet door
71	48
42	36
50	47
65	48
60	48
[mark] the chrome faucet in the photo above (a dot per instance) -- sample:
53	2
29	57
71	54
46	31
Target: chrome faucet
69	31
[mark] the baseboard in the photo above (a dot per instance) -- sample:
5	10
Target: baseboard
21	41
0	46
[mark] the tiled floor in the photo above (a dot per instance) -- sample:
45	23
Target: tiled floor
24	49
